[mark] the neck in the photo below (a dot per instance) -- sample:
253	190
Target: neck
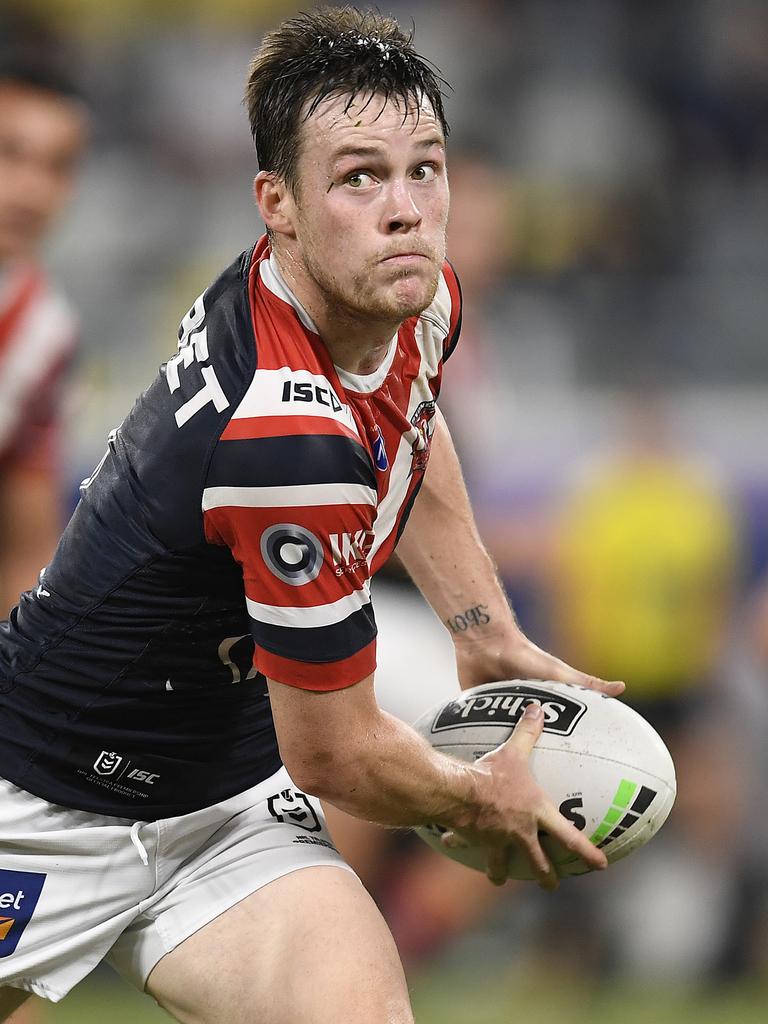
356	342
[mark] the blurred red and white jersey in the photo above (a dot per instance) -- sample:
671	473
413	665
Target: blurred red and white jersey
38	334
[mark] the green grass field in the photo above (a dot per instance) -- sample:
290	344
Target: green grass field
478	1000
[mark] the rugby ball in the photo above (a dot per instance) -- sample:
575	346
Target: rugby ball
600	762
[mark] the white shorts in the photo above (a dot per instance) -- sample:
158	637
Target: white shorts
76	888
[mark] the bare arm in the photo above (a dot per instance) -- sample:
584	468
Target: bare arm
341	747
443	553
30	524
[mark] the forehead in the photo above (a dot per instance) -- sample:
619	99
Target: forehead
41	116
369	119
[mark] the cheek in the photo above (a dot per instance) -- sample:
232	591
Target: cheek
441	207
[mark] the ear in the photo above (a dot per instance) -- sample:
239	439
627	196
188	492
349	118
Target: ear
275	203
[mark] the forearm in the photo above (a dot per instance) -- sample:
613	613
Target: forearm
29	530
397	779
442	551
379	768
341	747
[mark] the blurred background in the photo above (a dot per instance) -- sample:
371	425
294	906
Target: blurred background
609	172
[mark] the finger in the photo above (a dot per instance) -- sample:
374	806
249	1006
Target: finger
611	688
527	730
569	836
543	870
541	665
566	674
497	866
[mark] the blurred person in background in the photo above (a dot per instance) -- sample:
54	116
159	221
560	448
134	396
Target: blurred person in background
43	132
645	570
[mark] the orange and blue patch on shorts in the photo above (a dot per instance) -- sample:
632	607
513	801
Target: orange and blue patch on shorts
19	894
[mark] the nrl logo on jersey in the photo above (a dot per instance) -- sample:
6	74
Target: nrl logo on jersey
423	420
107	762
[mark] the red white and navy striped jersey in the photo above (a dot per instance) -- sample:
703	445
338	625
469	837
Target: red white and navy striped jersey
314	475
38	332
228	535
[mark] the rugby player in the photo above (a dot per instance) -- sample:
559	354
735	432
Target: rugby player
43	130
195	669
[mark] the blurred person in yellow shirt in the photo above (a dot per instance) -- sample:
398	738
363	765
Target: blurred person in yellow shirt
643	581
646	563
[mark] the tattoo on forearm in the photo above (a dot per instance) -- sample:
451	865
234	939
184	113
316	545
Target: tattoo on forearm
477	616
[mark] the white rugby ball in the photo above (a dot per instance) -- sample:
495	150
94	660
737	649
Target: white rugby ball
600	762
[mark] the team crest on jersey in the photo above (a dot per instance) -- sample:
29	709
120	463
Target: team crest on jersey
424	422
379	451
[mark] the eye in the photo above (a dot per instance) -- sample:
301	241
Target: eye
359	179
425	172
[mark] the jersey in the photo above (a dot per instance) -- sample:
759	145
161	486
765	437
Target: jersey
647	562
228	535
38	332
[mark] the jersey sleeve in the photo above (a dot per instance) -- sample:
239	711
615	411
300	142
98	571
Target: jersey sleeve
448	306
296	509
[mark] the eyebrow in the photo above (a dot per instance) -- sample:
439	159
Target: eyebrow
366	151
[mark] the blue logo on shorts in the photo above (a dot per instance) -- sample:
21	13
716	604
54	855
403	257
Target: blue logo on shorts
19	893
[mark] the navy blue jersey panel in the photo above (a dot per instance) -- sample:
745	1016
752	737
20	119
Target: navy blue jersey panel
318	644
126	679
290	461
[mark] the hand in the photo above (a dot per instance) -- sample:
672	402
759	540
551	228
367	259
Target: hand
513	656
517	810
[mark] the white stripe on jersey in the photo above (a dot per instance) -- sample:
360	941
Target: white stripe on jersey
309	618
274	393
44	334
290	496
430	337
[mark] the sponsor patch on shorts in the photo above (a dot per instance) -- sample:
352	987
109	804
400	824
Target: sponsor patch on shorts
19	893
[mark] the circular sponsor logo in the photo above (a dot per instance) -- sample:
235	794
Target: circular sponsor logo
292	553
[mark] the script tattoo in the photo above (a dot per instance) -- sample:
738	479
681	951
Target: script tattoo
476	616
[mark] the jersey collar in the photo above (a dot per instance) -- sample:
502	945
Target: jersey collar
363	383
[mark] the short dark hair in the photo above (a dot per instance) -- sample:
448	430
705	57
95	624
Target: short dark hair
326	52
39	75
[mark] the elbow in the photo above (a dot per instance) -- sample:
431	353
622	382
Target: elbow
320	774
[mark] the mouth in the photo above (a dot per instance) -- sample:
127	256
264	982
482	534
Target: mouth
405	259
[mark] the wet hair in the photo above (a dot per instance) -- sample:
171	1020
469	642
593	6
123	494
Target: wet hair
331	51
38	75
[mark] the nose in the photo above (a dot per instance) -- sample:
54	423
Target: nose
401	213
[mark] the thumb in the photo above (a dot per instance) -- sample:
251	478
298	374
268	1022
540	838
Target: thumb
527	730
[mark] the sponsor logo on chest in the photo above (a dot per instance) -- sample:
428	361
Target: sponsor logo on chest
349	551
312	393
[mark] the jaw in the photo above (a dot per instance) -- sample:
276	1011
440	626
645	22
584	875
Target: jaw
400	293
